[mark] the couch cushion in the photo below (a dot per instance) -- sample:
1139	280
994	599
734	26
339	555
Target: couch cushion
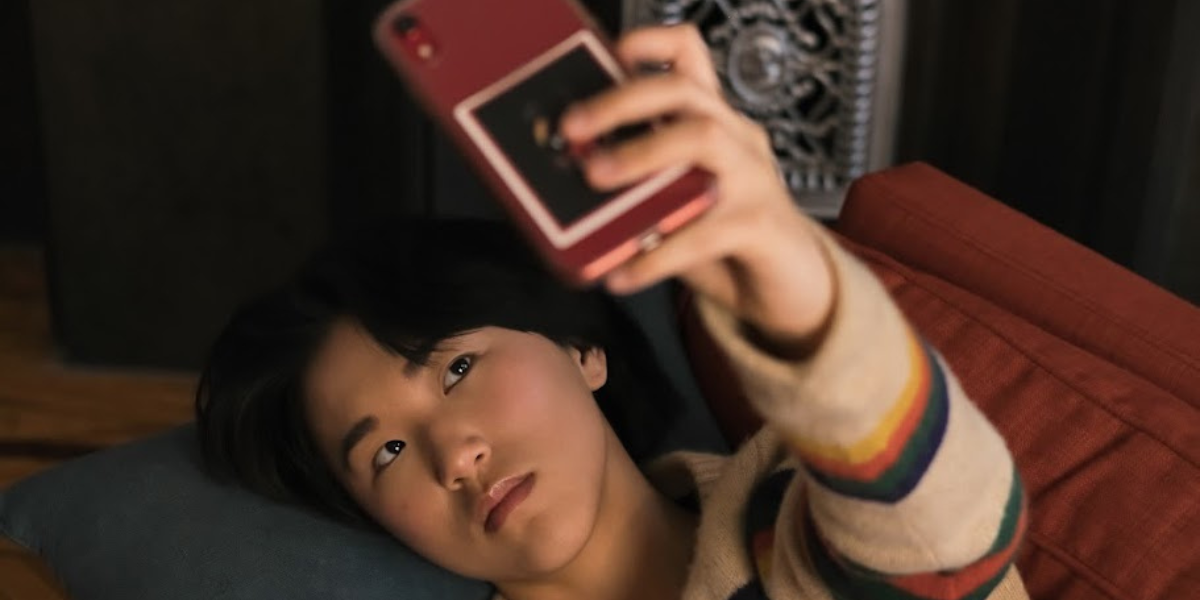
932	222
1110	460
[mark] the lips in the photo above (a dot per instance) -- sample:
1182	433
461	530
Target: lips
503	497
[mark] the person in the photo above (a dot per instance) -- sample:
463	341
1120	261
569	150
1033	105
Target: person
433	381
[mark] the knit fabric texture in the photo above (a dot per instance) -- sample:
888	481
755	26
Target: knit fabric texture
874	476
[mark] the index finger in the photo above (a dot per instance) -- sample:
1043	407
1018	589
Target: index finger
681	46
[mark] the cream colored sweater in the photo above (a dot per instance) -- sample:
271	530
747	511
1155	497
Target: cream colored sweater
875	476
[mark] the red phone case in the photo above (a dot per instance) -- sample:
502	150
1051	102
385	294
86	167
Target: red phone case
460	51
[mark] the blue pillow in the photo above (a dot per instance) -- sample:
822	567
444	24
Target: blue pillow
142	521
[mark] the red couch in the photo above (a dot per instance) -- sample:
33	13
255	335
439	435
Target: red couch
1090	372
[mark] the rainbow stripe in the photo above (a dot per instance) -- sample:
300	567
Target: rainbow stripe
847	580
889	462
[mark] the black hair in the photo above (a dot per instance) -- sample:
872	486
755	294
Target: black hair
411	284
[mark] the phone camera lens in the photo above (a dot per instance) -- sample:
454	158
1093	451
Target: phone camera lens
404	24
411	35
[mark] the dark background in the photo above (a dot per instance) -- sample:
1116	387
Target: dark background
1084	114
174	157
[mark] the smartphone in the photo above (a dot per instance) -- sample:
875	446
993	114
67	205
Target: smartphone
497	76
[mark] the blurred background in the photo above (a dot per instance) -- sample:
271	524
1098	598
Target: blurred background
166	159
161	161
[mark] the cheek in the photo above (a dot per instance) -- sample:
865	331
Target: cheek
424	524
543	400
410	519
553	425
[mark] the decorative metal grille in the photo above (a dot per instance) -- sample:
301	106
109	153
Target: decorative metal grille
804	69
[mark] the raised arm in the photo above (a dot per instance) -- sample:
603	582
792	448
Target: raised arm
910	493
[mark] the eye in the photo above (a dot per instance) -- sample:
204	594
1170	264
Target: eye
458	369
387	454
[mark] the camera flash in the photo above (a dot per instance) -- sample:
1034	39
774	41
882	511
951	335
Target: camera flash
413	37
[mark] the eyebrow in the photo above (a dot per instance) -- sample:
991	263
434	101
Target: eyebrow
356	434
411	368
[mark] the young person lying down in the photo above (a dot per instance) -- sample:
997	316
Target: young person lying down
434	381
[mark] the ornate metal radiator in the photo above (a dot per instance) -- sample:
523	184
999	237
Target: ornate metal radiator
821	75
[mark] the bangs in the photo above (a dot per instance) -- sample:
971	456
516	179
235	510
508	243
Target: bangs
413	290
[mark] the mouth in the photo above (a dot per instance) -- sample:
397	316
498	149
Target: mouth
504	497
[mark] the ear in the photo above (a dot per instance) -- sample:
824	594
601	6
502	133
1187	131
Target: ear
593	365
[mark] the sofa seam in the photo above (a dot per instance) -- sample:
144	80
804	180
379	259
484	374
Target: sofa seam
1188	512
1095	309
1008	342
1107	587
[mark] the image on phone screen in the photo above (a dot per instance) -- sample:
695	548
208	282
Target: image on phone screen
523	120
520	120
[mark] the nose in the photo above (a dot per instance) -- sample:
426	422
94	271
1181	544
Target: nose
458	459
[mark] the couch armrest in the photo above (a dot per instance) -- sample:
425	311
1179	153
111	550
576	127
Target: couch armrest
932	222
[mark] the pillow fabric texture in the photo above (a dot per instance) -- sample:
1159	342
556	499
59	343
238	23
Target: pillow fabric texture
142	521
1111	461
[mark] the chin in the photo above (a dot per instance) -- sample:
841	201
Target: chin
553	541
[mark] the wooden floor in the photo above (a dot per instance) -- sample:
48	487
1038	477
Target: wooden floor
50	412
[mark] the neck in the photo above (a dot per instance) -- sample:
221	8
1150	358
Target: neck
640	547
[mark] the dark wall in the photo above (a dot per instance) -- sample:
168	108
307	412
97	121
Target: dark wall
22	204
1173	256
385	156
195	150
1070	111
1183	262
185	146
378	163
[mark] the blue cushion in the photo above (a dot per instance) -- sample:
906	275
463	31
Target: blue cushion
141	521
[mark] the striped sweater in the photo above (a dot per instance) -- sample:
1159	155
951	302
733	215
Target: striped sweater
875	477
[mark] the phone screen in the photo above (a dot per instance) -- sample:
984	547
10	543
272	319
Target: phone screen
523	120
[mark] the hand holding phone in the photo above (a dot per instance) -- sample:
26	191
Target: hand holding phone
498	81
754	252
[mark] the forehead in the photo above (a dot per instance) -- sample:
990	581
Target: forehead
351	364
348	358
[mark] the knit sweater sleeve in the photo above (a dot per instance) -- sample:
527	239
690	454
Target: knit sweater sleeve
909	492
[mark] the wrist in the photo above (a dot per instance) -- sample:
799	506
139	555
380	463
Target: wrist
795	318
791	346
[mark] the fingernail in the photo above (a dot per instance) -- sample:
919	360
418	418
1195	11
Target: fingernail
617	281
600	161
600	166
573	121
649	67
